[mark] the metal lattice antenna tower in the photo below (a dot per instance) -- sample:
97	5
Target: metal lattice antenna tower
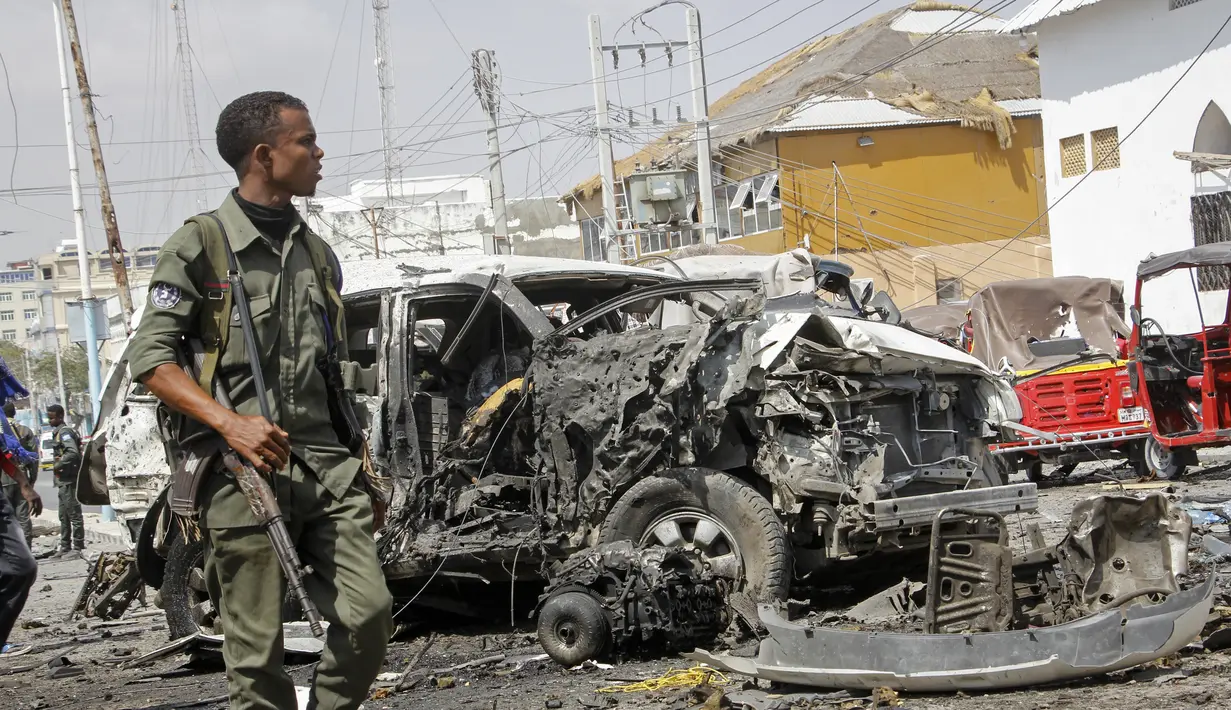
183	54
388	103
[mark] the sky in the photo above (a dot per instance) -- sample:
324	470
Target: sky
322	51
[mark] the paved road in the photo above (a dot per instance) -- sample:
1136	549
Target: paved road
46	486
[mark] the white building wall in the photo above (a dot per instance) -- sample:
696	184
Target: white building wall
435	215
1106	65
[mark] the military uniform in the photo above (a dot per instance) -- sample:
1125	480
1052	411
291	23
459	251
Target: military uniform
326	508
29	441
66	448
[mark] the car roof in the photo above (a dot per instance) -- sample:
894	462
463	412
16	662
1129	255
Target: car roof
376	274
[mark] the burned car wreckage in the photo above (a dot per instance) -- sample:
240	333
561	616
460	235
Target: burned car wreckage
531	412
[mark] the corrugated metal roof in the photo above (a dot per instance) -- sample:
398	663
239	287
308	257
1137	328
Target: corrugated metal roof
945	21
828	114
1040	10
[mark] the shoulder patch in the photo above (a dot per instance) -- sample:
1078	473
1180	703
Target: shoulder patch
66	436
164	296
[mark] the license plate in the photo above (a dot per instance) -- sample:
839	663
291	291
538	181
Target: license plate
1132	414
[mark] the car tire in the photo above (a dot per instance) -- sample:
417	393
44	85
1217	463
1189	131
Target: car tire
185	598
715	513
1161	461
572	628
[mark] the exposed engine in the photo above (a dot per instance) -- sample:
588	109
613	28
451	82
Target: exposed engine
617	600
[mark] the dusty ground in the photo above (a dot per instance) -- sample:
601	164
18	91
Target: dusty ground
1197	679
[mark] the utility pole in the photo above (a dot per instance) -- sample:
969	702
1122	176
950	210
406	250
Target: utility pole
440	231
388	102
114	245
183	53
606	165
374	220
487	86
88	302
60	372
700	109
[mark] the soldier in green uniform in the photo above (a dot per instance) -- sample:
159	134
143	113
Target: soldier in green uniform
12	491
66	447
268	138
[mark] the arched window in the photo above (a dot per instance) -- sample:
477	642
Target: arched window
1213	132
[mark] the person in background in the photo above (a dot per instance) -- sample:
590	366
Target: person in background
66	446
29	441
18	570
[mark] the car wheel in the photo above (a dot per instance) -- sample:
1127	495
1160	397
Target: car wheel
1161	461
185	598
572	628
731	525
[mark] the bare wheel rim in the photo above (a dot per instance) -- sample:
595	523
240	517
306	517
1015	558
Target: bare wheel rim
699	531
202	608
1158	457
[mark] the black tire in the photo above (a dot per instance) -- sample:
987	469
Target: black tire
185	600
760	541
1034	471
572	628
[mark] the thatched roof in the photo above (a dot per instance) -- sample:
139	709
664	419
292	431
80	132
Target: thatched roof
956	75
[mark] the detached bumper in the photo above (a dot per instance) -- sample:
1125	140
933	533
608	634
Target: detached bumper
930	663
916	511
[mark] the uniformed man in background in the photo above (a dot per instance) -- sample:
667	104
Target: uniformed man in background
268	139
66	449
29	441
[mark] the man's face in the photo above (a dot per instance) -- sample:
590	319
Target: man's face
54	419
294	157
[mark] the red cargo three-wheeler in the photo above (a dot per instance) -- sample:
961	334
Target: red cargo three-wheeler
1062	343
1181	368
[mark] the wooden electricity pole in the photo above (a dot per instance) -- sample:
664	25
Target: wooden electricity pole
114	245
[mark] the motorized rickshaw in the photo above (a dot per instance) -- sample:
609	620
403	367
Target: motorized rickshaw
1181	367
1063	343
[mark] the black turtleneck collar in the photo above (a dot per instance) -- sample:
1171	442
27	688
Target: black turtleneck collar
273	222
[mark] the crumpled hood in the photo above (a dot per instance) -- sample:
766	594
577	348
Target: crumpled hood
893	348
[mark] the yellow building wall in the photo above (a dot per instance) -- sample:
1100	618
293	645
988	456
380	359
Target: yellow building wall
920	204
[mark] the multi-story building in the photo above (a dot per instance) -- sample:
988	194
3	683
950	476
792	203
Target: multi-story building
19	302
909	147
57	284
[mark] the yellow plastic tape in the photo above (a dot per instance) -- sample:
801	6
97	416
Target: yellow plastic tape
697	675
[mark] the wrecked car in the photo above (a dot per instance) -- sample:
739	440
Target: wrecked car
527	410
1063	342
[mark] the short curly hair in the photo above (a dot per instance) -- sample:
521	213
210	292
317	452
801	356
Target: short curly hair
249	121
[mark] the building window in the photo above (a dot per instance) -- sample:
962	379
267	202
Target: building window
29	296
592	239
12	277
6	315
1211	218
655	242
1177	4
751	206
46	273
146	261
30	313
1073	155
6	297
1105	147
949	291
8	335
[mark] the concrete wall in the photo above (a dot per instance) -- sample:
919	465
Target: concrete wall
457	228
1105	66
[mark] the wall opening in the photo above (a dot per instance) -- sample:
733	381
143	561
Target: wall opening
1213	132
